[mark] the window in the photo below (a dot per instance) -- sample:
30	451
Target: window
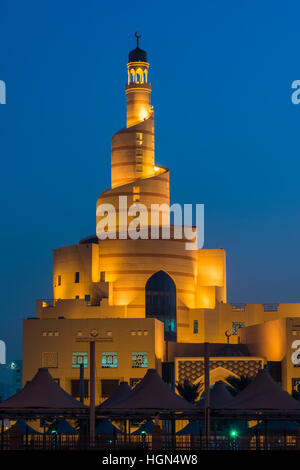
79	358
236	325
49	359
108	387
109	360
139	168
75	388
139	138
59	280
196	326
77	277
88	299
136	193
77	297
139	360
102	276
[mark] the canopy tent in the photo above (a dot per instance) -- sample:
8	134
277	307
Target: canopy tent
193	428
152	393
107	428
219	397
146	428
263	393
22	427
121	393
276	427
62	426
42	392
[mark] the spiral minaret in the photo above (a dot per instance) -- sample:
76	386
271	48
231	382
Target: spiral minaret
134	172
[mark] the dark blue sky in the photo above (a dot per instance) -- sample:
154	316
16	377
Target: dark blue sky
221	74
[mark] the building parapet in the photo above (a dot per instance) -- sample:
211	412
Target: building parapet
78	308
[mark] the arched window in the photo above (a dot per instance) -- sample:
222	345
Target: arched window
161	302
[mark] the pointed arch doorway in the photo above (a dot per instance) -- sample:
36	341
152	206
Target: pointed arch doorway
160	293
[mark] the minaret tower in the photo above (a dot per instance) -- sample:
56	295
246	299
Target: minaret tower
132	148
133	170
138	89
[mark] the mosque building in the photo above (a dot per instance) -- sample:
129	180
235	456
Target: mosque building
150	302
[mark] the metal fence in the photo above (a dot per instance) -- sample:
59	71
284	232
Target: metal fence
144	442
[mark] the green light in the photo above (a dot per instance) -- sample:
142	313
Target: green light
233	433
53	431
143	432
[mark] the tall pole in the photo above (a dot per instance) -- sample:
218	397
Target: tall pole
81	383
92	392
206	394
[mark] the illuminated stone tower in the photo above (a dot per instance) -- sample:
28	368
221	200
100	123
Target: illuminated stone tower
133	170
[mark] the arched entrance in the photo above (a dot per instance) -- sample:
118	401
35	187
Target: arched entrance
161	302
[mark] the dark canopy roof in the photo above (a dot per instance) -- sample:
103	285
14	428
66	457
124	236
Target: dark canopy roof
22	427
147	428
121	393
263	393
152	393
41	392
107	428
62	427
277	427
219	396
193	428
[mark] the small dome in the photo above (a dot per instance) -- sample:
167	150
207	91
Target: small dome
137	55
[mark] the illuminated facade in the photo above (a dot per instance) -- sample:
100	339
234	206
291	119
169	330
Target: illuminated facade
150	302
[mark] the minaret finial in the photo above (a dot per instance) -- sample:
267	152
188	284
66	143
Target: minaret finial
138	36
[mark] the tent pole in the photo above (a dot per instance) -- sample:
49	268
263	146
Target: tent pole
206	394
92	393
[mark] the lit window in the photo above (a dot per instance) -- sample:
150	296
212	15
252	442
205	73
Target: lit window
236	325
196	326
139	168
136	193
109	360
139	360
139	137
102	276
79	358
44	333
77	277
88	299
56	333
59	280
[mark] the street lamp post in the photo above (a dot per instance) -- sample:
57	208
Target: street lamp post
92	338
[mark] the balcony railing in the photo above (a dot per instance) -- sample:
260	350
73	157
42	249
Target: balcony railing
238	306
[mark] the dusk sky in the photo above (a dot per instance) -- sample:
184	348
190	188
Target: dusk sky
221	75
